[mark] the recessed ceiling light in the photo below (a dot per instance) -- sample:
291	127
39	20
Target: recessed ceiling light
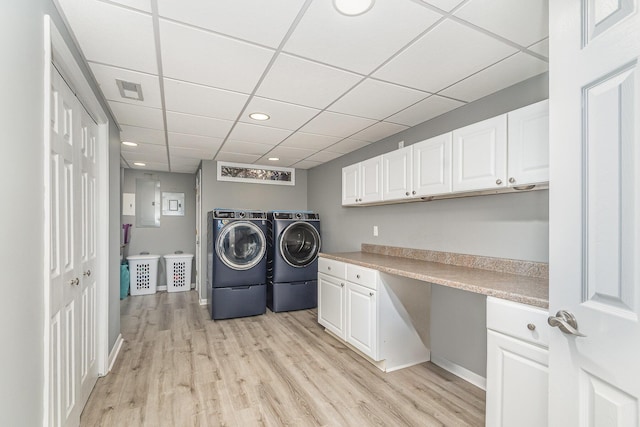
139	164
129	143
259	116
274	159
353	7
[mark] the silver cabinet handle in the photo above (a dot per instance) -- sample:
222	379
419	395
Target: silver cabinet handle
74	282
329	268
406	194
87	273
342	285
566	322
357	276
531	327
498	181
370	294
413	192
512	180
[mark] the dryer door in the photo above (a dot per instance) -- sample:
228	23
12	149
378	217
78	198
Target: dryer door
300	244
241	245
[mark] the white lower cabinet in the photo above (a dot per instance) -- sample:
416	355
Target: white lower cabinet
355	305
517	365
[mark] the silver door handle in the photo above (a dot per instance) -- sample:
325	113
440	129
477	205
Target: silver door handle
566	322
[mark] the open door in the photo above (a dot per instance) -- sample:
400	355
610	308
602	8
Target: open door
594	213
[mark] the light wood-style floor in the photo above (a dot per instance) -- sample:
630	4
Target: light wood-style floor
179	368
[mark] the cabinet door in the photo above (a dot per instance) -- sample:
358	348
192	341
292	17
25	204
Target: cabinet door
480	155
331	307
397	174
432	166
371	180
517	382
361	328
529	144
351	184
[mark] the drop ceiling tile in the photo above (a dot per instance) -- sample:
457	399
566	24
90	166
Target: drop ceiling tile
99	29
290	152
324	156
524	22
184	167
145	157
236	157
306	164
376	100
152	166
425	110
283	115
450	52
197	125
303	82
196	142
143	149
202	100
359	44
446	5
379	131
142	135
134	115
234	146
309	141
188	54
106	77
348	145
505	73
282	162
143	5
334	124
262	22
542	47
189	153
260	134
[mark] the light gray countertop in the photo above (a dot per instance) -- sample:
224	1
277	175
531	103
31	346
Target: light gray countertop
514	287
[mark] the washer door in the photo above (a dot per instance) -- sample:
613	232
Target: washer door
300	244
241	245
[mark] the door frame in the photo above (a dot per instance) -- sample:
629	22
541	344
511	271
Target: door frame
56	50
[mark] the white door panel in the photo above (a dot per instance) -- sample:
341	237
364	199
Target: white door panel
595	211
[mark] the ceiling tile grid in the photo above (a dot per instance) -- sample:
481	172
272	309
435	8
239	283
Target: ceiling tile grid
330	83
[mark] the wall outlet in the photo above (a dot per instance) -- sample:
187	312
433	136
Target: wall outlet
375	231
400	144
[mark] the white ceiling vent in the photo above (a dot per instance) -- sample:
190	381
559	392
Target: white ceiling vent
130	90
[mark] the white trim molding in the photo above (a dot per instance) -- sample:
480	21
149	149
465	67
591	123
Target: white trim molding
459	371
115	351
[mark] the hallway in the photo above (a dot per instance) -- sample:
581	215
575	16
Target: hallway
178	368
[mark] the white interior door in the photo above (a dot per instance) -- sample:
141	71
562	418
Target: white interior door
72	266
595	211
198	230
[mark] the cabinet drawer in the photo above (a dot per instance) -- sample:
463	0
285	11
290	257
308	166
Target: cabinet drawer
362	276
521	321
332	268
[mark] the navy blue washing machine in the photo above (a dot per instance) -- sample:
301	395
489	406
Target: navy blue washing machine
236	263
294	242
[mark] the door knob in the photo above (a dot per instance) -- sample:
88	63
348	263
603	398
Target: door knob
566	322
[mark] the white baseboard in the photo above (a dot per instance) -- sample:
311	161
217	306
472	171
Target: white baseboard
203	301
113	355
162	288
457	370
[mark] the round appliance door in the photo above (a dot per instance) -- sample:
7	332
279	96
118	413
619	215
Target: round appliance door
241	245
300	244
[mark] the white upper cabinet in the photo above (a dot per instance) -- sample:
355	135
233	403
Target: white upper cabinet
362	182
351	184
397	171
480	155
529	145
432	166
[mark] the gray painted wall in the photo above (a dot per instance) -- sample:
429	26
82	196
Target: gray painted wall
512	225
175	232
266	197
22	306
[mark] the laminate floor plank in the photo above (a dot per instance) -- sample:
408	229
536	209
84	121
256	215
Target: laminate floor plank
179	368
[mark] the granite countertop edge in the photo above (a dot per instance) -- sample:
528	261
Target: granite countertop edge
522	289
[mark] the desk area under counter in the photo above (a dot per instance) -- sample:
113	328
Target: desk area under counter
382	302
